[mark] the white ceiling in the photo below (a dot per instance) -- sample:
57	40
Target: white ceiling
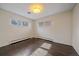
49	9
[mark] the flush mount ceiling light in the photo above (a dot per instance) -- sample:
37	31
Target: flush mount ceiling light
36	8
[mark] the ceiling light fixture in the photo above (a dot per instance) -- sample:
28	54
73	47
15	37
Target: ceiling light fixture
36	8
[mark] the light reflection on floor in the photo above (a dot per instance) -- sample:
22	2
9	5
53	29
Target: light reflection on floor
40	51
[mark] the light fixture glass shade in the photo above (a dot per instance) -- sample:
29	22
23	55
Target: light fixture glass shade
36	8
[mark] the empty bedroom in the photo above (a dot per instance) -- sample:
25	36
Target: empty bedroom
39	29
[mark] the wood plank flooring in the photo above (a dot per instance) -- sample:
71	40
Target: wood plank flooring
28	46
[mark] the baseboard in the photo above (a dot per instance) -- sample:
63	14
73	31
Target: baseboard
75	50
14	41
53	40
17	40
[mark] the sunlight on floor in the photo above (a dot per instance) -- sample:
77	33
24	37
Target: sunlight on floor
46	45
40	51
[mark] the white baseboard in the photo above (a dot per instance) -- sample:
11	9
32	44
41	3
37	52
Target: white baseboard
10	42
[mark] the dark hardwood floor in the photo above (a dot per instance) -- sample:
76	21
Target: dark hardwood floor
28	46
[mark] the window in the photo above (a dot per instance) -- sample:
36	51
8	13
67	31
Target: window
44	24
13	22
18	23
25	23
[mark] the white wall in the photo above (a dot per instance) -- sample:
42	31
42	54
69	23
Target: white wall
75	35
34	29
59	30
9	33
